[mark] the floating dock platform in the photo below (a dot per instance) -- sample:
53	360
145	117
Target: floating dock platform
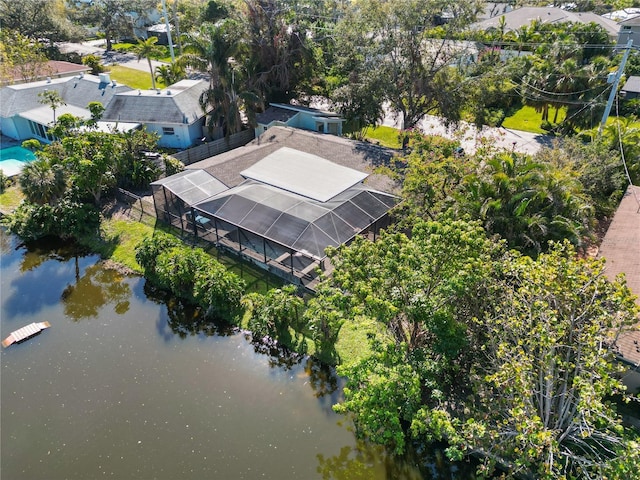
25	332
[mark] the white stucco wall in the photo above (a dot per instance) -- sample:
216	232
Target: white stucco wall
184	136
8	128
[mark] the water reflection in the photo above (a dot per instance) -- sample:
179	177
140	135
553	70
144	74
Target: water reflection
93	291
184	319
157	391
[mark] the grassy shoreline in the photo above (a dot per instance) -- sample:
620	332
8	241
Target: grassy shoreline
119	235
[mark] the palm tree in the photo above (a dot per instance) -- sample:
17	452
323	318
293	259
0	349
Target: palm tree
209	49
228	107
526	202
53	99
148	49
170	74
42	182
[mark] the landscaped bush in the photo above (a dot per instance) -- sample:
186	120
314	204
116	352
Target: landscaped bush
94	62
67	219
4	181
192	275
172	165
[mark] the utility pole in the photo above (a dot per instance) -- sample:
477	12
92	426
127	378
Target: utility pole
166	22
614	87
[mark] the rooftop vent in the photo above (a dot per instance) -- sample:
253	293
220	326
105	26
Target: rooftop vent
104	77
48	79
168	92
113	83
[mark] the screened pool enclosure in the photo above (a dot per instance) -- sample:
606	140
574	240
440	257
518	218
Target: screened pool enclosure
268	220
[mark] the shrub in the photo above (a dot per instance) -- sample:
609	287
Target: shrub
94	62
172	165
191	274
67	219
4	181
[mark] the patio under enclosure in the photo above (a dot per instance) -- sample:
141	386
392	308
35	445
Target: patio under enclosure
290	207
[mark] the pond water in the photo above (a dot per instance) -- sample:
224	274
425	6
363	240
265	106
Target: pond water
124	385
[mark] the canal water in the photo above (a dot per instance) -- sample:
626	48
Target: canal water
124	385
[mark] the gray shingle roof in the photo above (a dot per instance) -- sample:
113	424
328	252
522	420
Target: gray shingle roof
179	103
78	92
273	114
524	16
360	156
632	85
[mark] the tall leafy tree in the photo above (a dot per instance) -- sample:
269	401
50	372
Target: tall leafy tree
394	40
423	289
115	18
280	58
38	19
20	57
546	372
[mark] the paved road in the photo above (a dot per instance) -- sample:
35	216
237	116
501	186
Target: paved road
469	136
97	47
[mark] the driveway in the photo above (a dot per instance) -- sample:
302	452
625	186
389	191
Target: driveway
470	137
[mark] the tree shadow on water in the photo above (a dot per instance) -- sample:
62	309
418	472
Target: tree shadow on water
184	319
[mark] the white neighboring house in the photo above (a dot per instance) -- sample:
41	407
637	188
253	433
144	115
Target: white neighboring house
296	116
23	116
630	30
174	112
520	17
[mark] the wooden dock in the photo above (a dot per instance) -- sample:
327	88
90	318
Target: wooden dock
25	332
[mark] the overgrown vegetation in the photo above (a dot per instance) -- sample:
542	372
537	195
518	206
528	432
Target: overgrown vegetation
472	320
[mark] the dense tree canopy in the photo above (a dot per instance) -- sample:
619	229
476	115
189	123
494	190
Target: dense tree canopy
389	45
38	19
546	374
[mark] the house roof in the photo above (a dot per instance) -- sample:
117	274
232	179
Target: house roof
361	156
51	68
631	21
275	114
300	108
283	112
632	85
491	9
524	16
624	14
77	91
319	179
177	104
305	225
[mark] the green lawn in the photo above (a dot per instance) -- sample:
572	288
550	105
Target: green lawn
528	120
128	48
132	77
385	136
10	199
